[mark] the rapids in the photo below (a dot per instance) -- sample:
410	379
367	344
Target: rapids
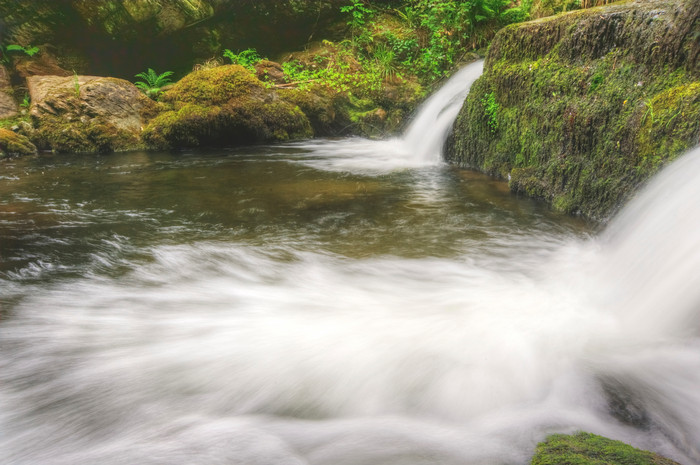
335	302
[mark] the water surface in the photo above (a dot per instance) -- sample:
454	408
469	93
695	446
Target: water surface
316	303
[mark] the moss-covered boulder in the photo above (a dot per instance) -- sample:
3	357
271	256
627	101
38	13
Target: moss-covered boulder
225	105
589	449
87	113
12	144
579	109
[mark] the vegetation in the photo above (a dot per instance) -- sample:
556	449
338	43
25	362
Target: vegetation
5	50
589	449
153	82
247	58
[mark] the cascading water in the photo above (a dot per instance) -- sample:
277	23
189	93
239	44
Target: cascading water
426	134
234	309
421	143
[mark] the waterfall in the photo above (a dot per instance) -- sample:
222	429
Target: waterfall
420	145
426	134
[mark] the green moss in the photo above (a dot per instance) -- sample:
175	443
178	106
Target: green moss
225	105
213	86
241	121
589	449
326	108
91	136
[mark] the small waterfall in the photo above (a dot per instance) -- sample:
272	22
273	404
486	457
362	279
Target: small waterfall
419	146
426	134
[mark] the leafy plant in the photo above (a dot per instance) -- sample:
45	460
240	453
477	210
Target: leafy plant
384	61
26	103
359	13
5	58
247	58
153	82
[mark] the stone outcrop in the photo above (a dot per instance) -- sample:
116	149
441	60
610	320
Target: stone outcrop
581	108
87	113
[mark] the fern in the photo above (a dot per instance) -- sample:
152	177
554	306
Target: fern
247	58
153	82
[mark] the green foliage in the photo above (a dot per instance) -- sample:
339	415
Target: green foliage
359	12
153	82
433	34
490	110
4	52
247	58
384	61
340	71
25	102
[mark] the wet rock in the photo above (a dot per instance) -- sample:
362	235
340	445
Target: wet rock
88	113
12	144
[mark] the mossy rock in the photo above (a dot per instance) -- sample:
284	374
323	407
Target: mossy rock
88	114
328	110
83	136
214	86
224	106
582	108
13	144
589	449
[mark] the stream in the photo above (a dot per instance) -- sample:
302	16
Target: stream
336	302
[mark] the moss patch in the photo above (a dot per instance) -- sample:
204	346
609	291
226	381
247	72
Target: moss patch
589	449
585	106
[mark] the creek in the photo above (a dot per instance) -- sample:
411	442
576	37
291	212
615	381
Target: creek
336	302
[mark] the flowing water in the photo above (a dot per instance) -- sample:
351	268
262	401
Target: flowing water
335	302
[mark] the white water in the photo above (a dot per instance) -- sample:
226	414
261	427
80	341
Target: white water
421	144
234	353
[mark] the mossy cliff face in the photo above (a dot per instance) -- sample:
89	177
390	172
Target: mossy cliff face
225	105
579	109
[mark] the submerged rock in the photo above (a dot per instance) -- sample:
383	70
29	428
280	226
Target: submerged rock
12	144
581	108
225	105
87	113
